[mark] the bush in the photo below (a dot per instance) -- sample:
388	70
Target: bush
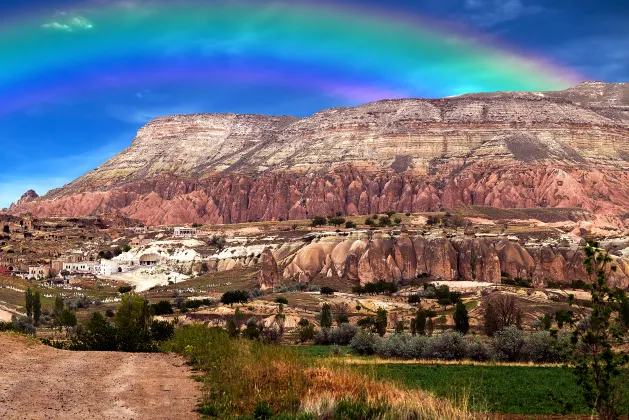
447	346
23	325
364	343
97	334
282	300
162	330
350	225
319	221
476	350
369	221
163	307
133	324
509	343
125	289
342	335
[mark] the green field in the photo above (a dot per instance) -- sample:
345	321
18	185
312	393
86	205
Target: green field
501	389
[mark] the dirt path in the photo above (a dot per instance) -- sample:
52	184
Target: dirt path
39	382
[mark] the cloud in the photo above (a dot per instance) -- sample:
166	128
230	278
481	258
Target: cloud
75	23
493	12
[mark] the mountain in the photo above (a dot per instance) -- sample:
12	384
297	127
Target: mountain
504	150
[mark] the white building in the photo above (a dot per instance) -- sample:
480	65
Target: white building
38	272
92	267
109	267
184	232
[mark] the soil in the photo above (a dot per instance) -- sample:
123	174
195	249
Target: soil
40	382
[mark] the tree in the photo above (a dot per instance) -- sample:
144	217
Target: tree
381	322
319	221
399	327
325	316
58	311
29	304
36	307
97	334
413	299
545	322
282	300
444	302
68	318
420	322
341	314
306	330
133	324
163	307
500	312
461	318
235	296
602	372
350	225
326	290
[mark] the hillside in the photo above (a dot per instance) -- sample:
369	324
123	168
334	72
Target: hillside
503	150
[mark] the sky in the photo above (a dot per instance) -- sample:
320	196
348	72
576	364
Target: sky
79	78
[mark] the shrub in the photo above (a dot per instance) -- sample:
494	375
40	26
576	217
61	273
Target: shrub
364	343
125	289
476	350
306	330
109	313
342	335
538	347
163	307
509	342
350	225
369	222
447	346
162	330
23	325
407	214
381	322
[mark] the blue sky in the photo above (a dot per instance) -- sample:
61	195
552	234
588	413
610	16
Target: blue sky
48	145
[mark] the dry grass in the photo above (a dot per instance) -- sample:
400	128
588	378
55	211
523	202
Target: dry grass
329	386
240	375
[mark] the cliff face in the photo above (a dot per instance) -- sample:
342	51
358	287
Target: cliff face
553	149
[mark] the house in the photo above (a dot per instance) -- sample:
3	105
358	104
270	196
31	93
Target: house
38	272
109	267
184	232
92	267
149	259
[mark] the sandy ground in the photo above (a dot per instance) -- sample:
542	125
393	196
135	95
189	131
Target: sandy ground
5	315
40	382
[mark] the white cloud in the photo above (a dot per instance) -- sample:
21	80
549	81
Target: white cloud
69	24
493	12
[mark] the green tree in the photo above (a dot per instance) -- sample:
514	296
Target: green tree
235	296
602	371
29	304
319	221
461	318
68	318
97	334
58	311
420	322
381	322
133	324
545	322
325	316
445	302
36	307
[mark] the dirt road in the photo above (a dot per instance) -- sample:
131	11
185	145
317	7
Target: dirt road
40	382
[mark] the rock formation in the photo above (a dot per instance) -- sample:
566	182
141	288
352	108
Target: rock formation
470	259
505	150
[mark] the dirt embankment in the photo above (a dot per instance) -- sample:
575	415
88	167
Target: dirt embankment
40	382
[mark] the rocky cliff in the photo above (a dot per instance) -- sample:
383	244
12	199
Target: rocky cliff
551	149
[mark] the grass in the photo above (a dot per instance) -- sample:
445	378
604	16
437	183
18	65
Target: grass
502	389
242	378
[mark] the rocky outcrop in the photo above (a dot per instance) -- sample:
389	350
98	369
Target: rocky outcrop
502	150
470	259
269	276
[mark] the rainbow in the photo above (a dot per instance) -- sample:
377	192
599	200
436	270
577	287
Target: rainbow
351	52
